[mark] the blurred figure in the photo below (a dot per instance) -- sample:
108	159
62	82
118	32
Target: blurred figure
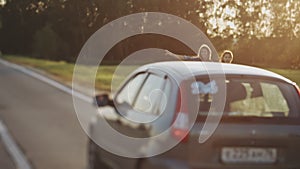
204	54
227	56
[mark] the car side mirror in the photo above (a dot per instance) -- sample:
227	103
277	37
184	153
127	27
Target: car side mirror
103	100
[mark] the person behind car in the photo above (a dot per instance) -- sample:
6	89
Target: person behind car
227	56
204	54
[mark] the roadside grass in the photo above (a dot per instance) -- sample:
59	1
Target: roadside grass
293	75
63	71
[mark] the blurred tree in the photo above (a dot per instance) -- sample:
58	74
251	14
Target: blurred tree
2	2
287	19
256	30
46	43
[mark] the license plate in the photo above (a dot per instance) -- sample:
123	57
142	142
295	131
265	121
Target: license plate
248	155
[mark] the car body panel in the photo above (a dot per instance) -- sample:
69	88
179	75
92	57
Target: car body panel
252	134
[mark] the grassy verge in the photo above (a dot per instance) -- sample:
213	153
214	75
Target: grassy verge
63	71
293	75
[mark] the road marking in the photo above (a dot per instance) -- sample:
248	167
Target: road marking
48	81
18	157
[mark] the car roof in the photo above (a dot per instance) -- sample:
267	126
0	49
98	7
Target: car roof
182	70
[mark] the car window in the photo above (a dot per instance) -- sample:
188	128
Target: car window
248	97
270	103
129	91
163	100
274	98
150	95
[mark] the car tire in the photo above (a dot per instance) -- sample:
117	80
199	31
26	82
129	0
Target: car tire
94	161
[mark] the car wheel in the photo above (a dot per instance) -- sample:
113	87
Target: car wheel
94	161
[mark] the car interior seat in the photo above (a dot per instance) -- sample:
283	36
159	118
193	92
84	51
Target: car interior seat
235	92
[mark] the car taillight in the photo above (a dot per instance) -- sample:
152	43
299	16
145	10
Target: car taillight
180	126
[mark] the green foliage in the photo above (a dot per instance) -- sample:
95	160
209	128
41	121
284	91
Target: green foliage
258	32
63	71
46	43
0	22
293	75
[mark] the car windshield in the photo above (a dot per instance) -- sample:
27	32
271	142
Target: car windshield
247	96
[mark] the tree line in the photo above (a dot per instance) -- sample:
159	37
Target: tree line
259	32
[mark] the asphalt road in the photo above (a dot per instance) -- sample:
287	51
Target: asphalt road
5	159
42	120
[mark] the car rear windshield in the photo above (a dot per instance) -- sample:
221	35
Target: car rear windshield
245	96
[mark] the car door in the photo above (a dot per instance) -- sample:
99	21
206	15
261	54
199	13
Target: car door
138	103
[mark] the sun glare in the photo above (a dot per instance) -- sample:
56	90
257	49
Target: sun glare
2	2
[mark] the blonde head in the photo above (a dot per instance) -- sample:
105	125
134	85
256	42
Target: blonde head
204	53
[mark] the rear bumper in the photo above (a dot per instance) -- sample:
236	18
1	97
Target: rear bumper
163	163
166	163
245	167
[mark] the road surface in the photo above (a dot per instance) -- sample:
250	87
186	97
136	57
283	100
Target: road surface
42	120
5	159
